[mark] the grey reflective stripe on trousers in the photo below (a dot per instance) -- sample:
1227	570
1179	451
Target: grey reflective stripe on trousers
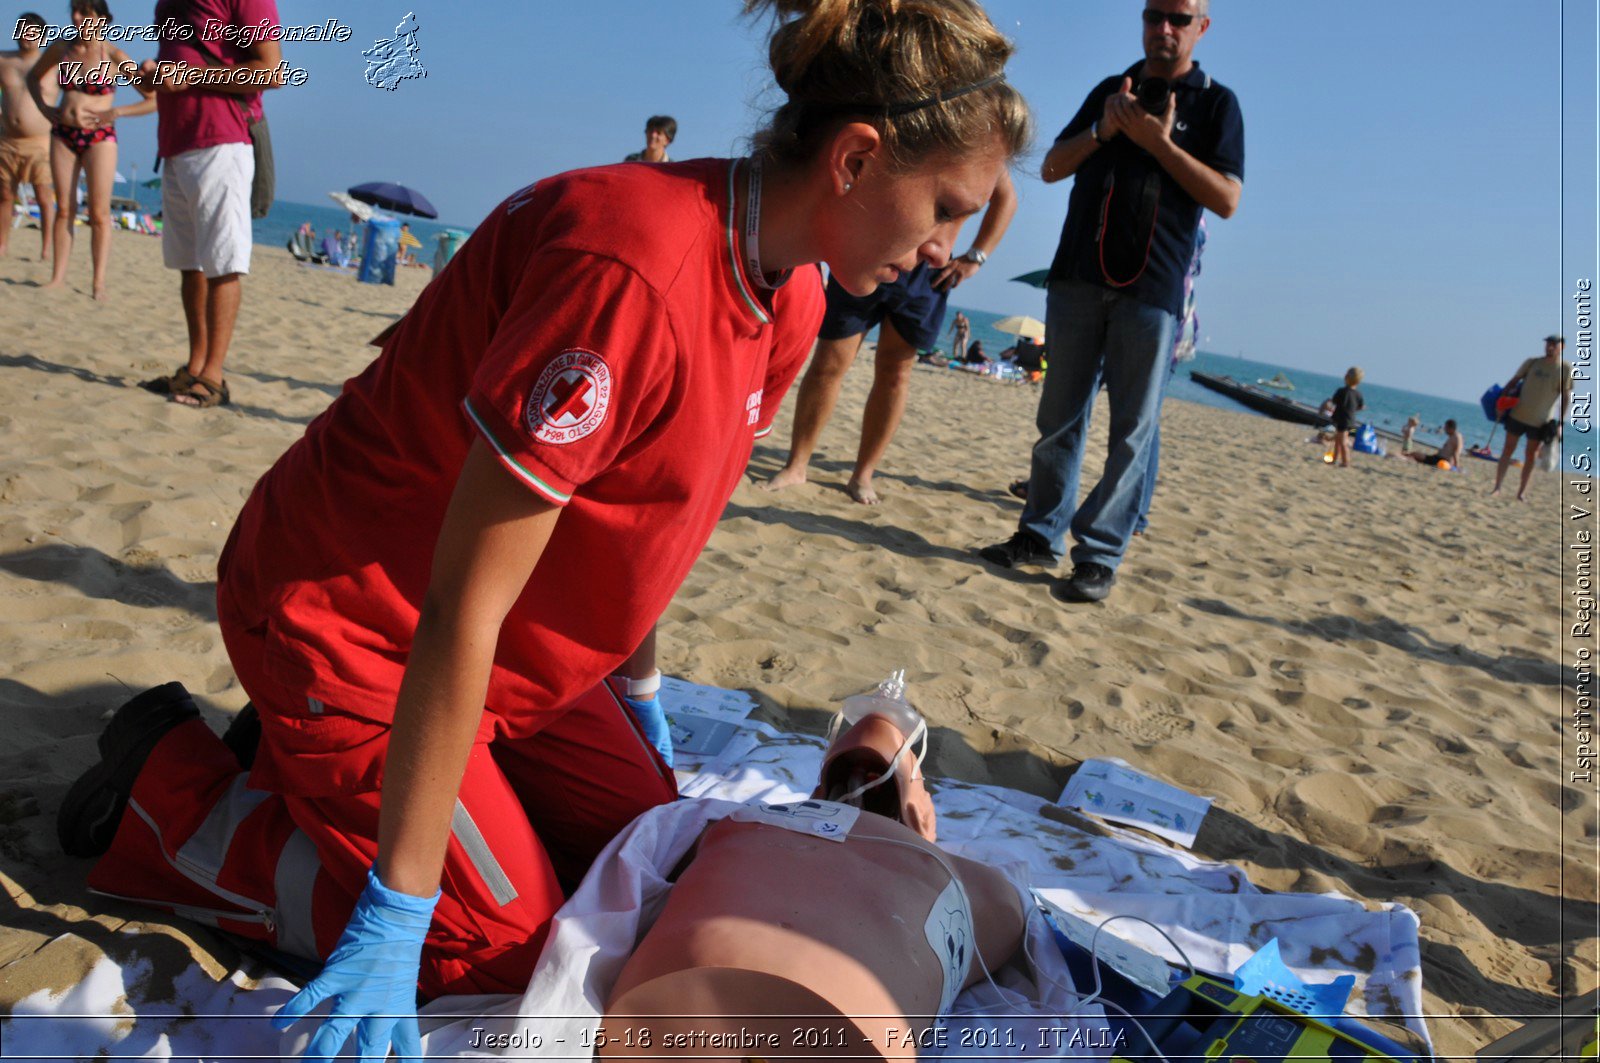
203	916
477	849
191	868
293	881
203	853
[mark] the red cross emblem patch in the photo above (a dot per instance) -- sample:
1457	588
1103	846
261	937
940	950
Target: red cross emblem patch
570	399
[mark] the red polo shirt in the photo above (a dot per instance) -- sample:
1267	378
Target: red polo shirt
598	331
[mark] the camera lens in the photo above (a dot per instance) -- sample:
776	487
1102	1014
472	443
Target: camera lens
1153	94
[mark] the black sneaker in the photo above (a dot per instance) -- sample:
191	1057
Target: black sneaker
1023	548
244	735
94	805
1089	582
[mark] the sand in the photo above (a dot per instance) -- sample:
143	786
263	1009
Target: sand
1360	665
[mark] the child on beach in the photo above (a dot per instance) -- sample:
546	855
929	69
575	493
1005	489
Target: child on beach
1346	403
1408	434
442	599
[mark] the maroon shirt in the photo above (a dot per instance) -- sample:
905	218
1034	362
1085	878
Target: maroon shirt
198	118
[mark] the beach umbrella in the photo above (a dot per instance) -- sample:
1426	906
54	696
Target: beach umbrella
1038	278
119	178
1020	325
154	182
395	197
351	204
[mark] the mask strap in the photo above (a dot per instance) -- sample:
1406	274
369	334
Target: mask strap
919	731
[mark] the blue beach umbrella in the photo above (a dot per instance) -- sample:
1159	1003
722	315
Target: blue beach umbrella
399	198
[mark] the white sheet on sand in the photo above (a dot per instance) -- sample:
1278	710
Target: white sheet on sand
1210	909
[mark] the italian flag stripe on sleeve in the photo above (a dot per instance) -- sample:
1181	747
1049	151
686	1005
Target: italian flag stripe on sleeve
560	498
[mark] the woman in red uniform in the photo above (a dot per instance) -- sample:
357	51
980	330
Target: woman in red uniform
426	593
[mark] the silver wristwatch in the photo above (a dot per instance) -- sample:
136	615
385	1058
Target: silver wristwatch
975	256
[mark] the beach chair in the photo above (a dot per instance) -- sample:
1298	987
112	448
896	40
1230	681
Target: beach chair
300	247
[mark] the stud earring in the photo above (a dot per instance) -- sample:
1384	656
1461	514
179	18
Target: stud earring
847	186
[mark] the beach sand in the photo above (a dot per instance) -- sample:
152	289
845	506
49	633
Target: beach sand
1360	665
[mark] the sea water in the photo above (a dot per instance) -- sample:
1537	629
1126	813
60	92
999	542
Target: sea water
1386	407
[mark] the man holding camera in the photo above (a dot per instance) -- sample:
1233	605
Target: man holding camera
1149	148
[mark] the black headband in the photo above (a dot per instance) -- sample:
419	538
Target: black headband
894	110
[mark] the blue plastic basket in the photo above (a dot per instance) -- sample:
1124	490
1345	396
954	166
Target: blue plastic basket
1265	974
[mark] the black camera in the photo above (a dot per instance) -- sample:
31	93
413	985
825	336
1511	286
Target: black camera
1153	94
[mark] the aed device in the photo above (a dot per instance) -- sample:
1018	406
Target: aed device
1202	1019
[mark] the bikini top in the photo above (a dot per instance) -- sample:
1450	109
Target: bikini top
89	86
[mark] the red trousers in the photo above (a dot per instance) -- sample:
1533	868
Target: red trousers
282	855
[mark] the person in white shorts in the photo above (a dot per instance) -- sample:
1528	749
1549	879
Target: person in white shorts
204	141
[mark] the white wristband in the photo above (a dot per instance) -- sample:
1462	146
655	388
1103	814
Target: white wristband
638	688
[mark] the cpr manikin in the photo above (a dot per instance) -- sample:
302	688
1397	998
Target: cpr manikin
815	929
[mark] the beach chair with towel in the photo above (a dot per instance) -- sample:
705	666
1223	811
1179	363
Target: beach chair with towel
301	246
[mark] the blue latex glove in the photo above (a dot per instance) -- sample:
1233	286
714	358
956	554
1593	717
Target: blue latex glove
652	717
372	978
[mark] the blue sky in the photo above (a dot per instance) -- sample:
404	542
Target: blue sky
1403	202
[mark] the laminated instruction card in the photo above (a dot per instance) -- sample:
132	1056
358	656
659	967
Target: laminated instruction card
703	719
1112	790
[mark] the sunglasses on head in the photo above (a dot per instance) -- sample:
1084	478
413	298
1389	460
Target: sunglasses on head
1176	20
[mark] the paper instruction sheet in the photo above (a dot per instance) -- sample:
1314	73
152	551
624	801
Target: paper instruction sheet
1114	791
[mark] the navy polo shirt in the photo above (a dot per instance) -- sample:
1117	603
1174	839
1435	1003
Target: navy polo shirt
1209	126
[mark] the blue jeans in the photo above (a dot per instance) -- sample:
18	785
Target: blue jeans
1096	335
1149	492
